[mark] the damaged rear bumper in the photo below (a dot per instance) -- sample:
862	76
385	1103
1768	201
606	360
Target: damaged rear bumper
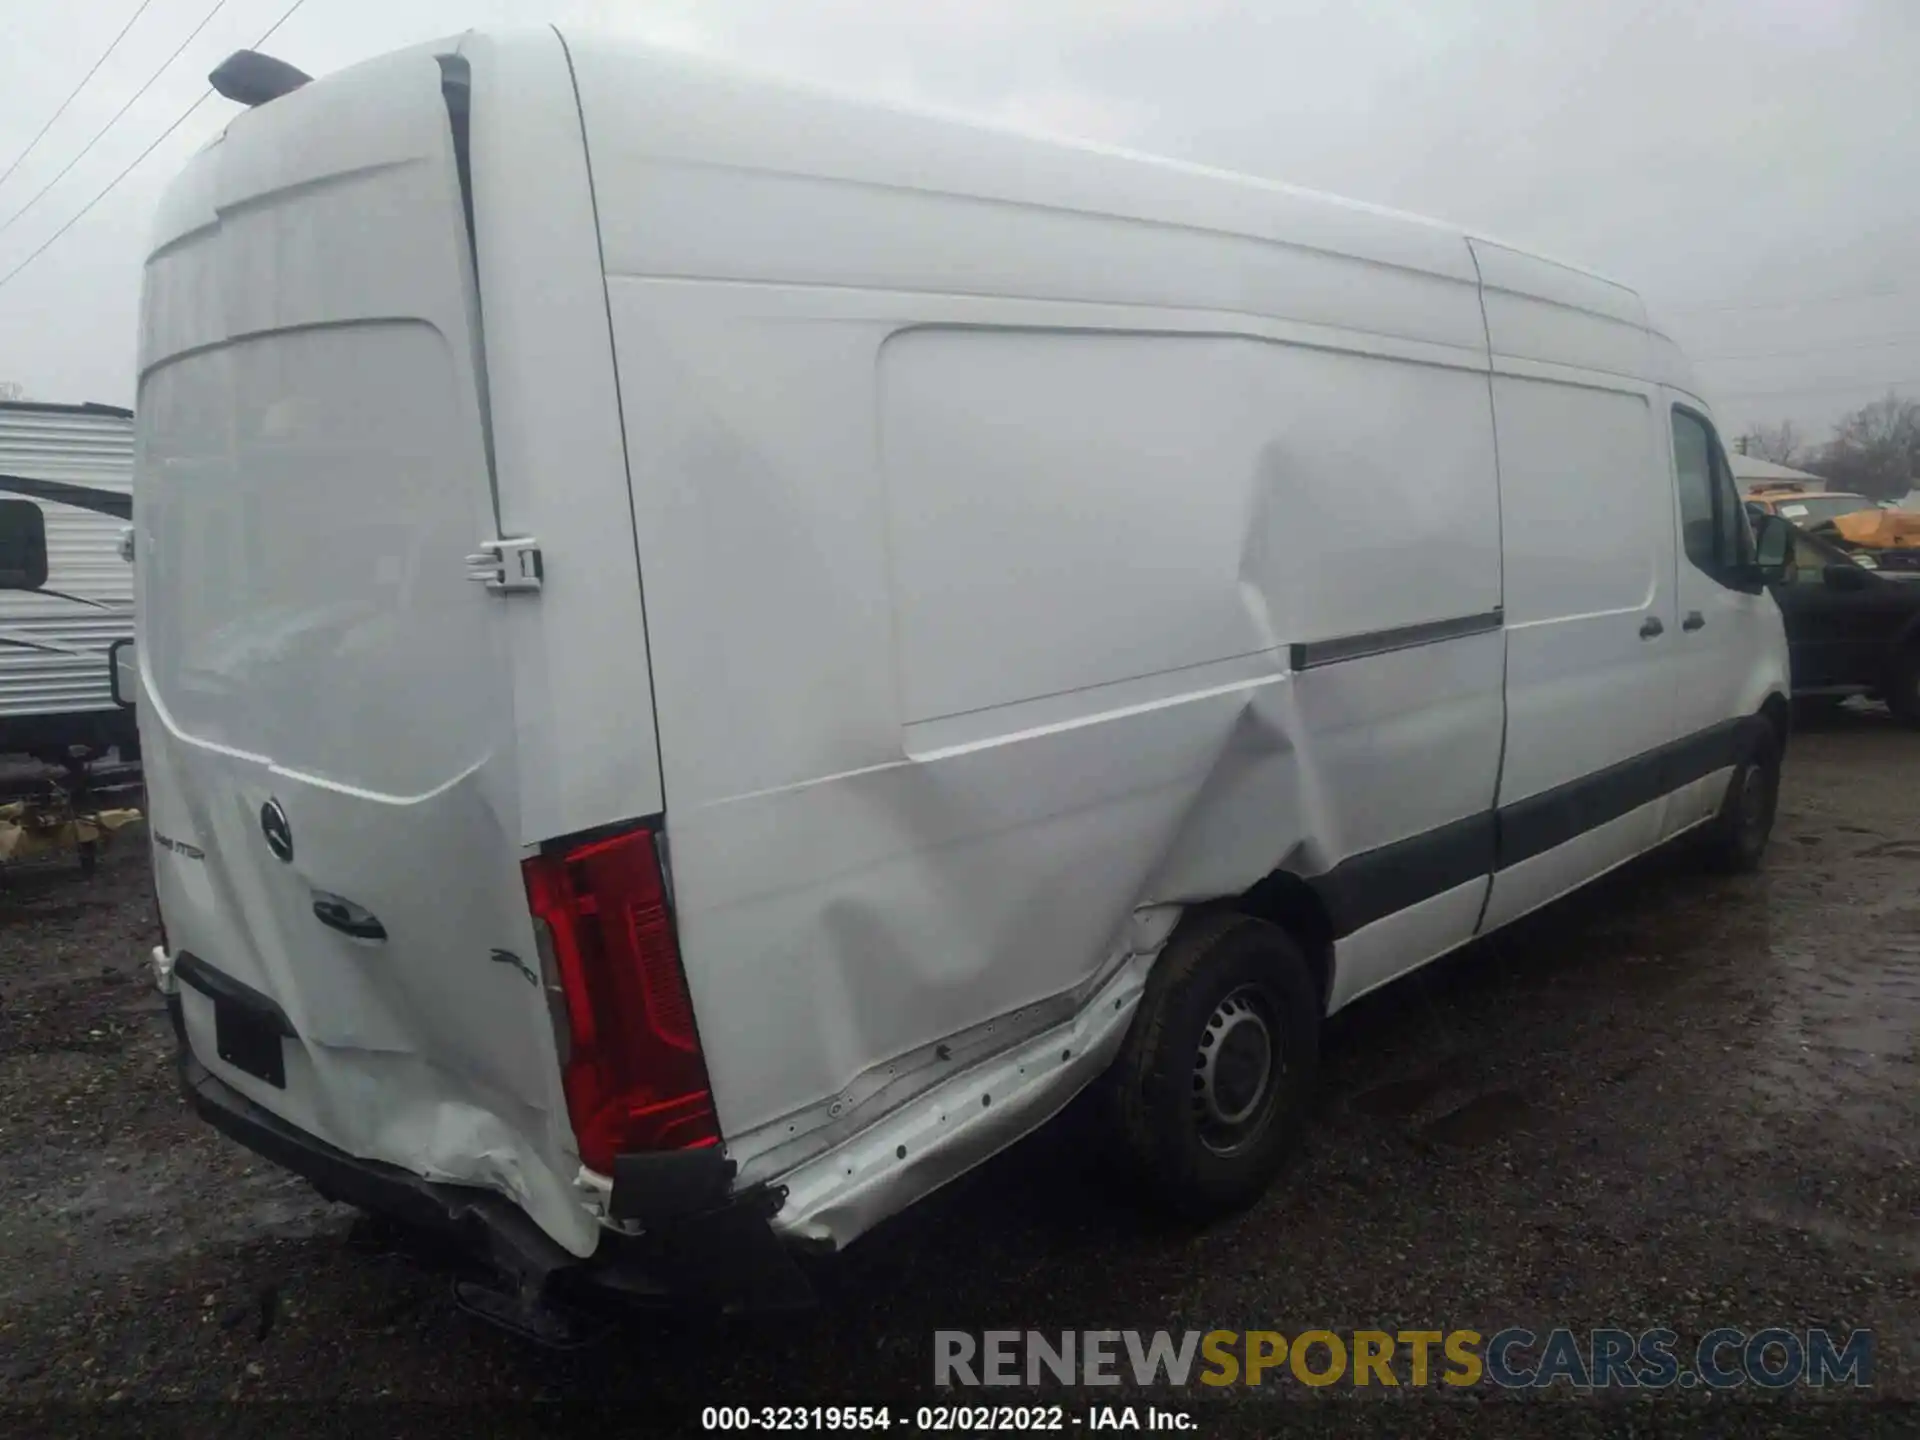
694	1241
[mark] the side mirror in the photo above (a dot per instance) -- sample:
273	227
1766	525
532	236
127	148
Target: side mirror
1843	575
123	673
23	545
1773	547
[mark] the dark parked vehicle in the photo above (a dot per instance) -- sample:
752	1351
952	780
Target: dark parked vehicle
1851	629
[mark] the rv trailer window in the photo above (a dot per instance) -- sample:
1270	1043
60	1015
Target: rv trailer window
23	545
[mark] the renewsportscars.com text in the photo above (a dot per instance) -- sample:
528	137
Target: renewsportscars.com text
1513	1358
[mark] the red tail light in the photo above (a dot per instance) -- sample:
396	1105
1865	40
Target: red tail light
633	1073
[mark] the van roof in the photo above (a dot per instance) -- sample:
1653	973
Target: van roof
932	173
705	111
697	111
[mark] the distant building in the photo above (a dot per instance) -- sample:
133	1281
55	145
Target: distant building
1750	470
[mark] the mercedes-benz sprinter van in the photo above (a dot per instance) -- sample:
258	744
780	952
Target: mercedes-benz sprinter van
711	654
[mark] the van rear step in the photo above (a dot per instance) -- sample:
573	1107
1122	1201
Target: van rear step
723	1255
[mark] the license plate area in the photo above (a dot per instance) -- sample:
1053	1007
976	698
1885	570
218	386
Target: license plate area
248	1026
249	1041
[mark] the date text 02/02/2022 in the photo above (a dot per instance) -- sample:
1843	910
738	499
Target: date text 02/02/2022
942	1418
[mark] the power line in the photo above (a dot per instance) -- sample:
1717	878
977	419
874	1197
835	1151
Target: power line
1810	390
1878	293
101	193
218	6
1878	342
6	174
45	244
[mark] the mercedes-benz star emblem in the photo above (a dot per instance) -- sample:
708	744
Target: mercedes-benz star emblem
273	825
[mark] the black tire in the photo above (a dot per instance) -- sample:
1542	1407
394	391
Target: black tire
1903	686
1205	1124
1736	840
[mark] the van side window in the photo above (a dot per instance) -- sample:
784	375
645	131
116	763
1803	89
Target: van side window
1735	545
1714	529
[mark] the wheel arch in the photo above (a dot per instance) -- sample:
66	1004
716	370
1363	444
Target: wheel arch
1289	903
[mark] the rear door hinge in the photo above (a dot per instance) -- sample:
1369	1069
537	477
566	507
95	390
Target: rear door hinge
508	567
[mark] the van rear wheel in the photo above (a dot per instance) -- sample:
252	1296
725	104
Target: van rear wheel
1213	1083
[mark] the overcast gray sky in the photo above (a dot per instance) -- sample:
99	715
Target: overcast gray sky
1749	165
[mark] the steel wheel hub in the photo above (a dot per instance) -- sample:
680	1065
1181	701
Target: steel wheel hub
1233	1072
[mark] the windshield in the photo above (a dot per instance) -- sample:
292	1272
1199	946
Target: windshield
1815	508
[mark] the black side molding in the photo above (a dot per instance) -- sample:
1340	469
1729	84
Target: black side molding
1536	824
1315	653
1368	887
1372	885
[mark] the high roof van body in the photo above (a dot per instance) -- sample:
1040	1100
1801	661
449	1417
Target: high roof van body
711	654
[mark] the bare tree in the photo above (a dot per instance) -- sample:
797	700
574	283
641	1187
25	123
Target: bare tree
1783	444
12	390
1875	450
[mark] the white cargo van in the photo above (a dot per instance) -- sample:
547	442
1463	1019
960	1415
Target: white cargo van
711	654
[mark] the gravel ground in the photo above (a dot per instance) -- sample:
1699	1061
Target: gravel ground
1677	1099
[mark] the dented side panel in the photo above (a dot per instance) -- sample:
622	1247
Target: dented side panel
1004	661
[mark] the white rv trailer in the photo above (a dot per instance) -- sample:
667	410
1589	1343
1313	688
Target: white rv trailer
75	464
711	654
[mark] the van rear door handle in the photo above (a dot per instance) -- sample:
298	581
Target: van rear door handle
1694	621
340	913
1651	627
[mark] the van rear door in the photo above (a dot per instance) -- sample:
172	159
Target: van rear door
327	708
